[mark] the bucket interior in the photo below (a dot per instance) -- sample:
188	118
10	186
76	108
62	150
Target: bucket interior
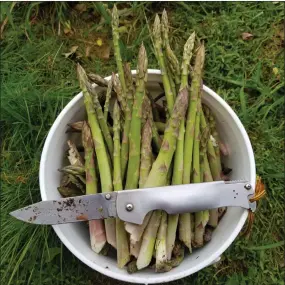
76	236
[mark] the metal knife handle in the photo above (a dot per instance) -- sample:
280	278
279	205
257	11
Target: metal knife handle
133	205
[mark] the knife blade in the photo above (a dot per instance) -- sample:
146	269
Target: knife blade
133	205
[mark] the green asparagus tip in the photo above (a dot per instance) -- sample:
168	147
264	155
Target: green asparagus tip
157	28
115	16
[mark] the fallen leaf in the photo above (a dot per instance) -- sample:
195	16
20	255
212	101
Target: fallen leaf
21	179
80	7
246	36
71	52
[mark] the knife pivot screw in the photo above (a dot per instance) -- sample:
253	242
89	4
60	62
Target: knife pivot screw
129	207
247	186
108	196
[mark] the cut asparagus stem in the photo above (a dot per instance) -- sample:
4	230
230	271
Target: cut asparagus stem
158	174
132	267
116	37
96	227
135	248
100	150
162	64
208	234
171	234
161	256
107	100
148	241
136	231
178	254
191	115
123	255
135	129
184	232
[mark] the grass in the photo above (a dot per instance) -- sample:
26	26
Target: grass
37	81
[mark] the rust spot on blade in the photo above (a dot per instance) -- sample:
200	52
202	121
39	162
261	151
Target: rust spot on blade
82	218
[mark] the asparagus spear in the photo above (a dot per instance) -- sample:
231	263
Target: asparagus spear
187	55
161	61
107	100
146	153
191	114
134	230
130	90
119	91
103	124
171	59
207	175
185	221
201	218
165	43
148	114
214	215
123	255
160	127
214	160
115	32
135	129
176	180
148	241
214	155
161	255
128	116
96	227
158	174
100	150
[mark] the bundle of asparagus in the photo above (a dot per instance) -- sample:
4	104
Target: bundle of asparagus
130	141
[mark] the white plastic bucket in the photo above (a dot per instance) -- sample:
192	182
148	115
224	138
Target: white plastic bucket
76	237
